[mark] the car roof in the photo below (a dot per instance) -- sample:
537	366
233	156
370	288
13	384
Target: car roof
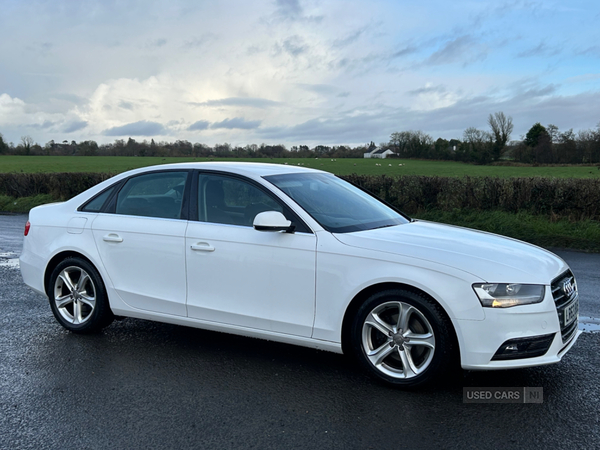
251	169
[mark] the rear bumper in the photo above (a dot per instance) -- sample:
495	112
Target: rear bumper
31	272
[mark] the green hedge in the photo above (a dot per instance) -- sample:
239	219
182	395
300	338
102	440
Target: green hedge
61	186
572	198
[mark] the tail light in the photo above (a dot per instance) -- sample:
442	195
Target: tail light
27	227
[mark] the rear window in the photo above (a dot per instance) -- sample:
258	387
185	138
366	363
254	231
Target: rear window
97	203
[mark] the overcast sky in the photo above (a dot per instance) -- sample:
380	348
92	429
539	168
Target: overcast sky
293	71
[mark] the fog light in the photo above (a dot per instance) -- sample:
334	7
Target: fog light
521	348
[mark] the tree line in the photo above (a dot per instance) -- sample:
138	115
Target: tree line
541	145
179	148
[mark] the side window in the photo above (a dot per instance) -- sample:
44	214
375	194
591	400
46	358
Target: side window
231	201
96	204
153	195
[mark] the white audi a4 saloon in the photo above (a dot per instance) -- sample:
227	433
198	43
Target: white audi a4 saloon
299	256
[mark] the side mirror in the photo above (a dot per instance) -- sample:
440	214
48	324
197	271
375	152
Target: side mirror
272	221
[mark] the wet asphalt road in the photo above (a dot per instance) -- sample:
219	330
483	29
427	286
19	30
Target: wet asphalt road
141	384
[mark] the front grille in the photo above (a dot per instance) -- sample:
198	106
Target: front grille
566	299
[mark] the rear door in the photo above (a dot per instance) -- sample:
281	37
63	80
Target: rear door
141	241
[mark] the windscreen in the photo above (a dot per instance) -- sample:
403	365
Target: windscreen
338	206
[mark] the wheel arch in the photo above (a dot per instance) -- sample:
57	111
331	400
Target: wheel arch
359	298
56	260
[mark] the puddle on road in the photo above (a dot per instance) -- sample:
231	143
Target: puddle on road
589	324
9	259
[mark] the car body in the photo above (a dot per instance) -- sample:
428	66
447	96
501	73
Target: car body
299	256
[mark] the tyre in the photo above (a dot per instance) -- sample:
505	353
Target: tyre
402	338
78	297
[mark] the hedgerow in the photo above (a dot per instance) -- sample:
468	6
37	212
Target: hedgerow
572	198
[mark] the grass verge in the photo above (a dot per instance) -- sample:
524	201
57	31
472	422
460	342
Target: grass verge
536	229
23	204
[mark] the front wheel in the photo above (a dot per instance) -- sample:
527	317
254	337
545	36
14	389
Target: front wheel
78	297
402	338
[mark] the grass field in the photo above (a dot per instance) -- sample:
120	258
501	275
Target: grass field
392	167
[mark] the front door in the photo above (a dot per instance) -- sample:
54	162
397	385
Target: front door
243	277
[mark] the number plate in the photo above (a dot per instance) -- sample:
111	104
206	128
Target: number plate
571	312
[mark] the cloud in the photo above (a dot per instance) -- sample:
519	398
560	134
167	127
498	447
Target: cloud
141	128
12	110
540	50
431	97
252	102
322	89
71	98
44	125
6	101
41	48
75	126
157	43
236	122
591	51
199	42
428	89
404	51
294	46
342	129
531	88
463	49
199	125
350	38
540	91
126	105
289	9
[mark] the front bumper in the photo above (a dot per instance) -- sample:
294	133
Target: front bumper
481	340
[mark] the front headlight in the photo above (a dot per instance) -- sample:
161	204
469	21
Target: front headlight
497	295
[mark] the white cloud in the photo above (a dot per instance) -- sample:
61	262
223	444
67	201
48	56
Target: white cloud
141	128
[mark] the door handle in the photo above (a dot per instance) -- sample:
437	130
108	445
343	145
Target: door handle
203	247
112	237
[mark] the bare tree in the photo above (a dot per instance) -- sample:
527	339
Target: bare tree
478	145
26	143
552	132
502	127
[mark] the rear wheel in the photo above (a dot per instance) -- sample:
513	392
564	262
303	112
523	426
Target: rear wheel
402	338
78	297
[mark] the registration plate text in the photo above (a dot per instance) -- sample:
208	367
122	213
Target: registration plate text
571	312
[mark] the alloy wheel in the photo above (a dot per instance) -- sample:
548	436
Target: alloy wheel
398	340
75	295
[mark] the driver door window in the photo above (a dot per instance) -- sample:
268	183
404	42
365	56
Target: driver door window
231	201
